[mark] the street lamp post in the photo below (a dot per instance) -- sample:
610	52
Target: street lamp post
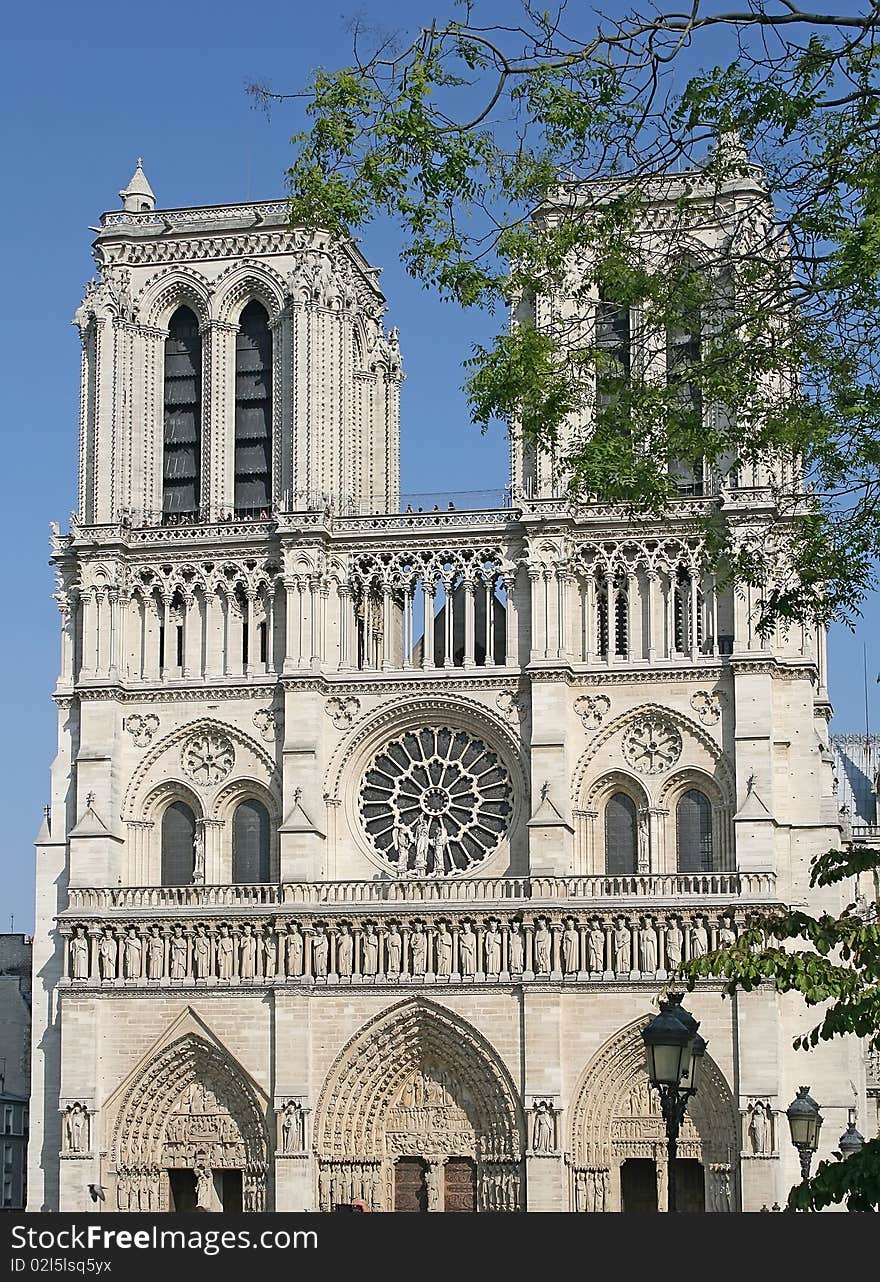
851	1141
674	1051
805	1122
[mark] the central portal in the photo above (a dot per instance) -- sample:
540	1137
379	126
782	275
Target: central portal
460	1185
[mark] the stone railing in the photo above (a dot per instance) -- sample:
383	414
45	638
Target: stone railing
535	943
427	893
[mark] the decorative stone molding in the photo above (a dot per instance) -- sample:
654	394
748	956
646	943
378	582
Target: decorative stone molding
652	745
708	705
267	721
592	709
207	758
342	710
142	728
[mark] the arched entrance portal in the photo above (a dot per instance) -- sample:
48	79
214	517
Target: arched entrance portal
618	1137
419	1114
190	1133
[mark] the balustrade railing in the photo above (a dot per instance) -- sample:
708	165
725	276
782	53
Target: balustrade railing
426	892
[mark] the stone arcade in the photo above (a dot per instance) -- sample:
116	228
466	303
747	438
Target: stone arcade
374	833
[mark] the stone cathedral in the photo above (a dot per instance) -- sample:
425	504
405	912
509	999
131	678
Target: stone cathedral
374	833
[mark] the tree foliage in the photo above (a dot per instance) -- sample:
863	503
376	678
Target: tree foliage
514	154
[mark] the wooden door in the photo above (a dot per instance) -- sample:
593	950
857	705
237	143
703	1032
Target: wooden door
410	1187
638	1184
460	1185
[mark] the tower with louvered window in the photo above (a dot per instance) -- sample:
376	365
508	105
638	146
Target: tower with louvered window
377	825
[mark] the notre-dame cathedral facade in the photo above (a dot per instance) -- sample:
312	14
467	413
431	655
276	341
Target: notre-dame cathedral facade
374	833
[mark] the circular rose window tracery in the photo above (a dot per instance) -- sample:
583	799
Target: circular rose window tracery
207	757
435	802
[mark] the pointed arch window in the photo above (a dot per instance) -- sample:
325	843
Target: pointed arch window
621	836
684	342
693	821
181	458
178	845
250	842
613	343
616	594
253	413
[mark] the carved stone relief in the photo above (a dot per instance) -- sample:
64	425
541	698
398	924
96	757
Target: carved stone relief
592	708
651	745
207	758
141	728
343	710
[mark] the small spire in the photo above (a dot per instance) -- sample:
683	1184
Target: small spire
138	196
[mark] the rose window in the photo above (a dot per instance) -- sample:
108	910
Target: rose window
207	758
652	745
435	801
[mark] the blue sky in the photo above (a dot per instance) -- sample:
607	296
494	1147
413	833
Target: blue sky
85	90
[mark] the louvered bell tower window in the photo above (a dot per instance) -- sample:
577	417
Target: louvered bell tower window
253	413
183	418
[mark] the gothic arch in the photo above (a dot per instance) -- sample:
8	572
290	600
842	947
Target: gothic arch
615	1115
720	771
366	1117
147	775
242	283
357	749
155	1125
169	290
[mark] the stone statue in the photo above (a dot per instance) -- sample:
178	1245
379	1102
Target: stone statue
204	1187
648	944
622	948
726	933
131	956
202	953
369	950
467	951
516	948
75	1125
596	940
418	949
401	839
492	943
570	948
543	1130
225	953
320	949
699	939
270	954
344	952
247	967
199	856
155	954
107	955
423	841
294	951
292	1128
674	941
441	841
177	962
444	950
644	857
393	946
79	954
542	947
759	1127
432	1181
